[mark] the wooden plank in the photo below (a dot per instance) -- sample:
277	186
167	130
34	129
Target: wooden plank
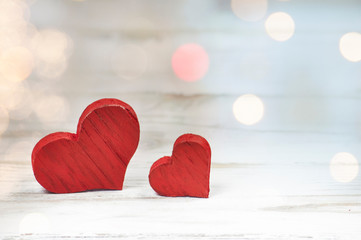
246	201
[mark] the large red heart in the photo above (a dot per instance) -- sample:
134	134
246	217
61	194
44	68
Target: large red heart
186	172
96	157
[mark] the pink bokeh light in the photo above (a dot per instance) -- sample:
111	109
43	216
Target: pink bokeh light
190	62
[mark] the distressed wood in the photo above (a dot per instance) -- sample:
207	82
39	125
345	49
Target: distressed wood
268	181
264	184
186	172
96	157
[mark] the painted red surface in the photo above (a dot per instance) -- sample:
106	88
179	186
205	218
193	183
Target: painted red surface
186	172
96	157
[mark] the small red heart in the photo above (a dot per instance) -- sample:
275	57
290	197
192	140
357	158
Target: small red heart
96	157
186	172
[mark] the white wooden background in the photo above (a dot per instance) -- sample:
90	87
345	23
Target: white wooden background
268	181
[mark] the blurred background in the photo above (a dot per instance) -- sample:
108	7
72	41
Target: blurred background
269	83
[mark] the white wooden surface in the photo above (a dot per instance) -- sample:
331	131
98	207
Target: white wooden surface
264	185
268	181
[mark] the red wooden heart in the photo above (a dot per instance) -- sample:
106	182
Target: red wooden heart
186	172
96	157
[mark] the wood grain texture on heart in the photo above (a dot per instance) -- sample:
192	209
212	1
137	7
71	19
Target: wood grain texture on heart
186	172
95	157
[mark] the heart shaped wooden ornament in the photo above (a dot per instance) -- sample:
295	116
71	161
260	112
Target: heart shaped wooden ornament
186	172
96	157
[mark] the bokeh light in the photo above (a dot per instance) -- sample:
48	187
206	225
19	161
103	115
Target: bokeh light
52	49
14	26
350	46
249	10
190	62
344	167
16	34
4	119
248	109
52	70
280	26
16	64
34	223
20	103
13	11
8	96
51	45
14	95
51	108
129	61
